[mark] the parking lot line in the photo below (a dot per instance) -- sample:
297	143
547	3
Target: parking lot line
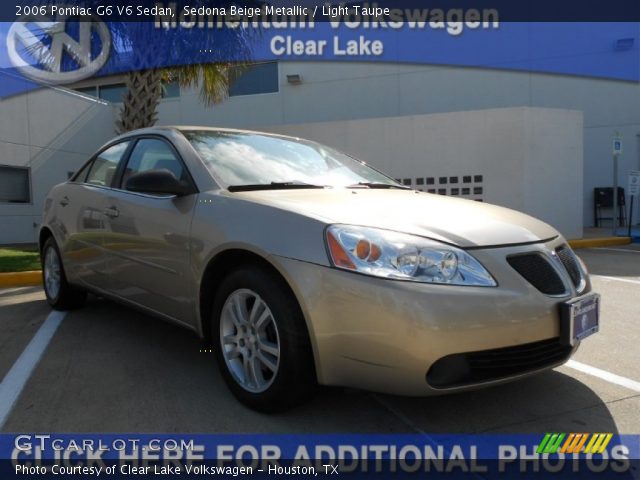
626	280
604	375
18	290
11	291
15	380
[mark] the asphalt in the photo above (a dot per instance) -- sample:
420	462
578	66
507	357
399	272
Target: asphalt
110	369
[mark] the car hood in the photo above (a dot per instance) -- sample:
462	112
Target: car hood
461	222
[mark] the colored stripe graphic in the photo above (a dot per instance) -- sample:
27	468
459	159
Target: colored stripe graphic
574	443
550	443
544	441
601	442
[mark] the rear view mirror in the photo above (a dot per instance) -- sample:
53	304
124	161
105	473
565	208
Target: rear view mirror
157	182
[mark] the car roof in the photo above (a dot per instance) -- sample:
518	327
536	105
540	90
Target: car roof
182	128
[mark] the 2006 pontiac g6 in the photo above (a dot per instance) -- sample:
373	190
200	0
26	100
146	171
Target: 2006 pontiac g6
304	266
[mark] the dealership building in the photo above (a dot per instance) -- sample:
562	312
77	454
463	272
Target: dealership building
536	142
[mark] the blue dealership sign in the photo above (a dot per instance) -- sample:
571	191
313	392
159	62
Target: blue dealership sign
353	456
62	44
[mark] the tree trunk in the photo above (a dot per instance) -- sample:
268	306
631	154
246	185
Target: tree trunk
140	102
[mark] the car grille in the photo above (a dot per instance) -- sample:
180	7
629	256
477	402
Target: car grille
487	365
537	270
570	262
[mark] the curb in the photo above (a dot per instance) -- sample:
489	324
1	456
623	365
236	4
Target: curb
20	279
599	242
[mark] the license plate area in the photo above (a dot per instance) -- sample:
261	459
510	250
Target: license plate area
580	318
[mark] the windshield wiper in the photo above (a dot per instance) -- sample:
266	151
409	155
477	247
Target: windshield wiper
378	185
295	185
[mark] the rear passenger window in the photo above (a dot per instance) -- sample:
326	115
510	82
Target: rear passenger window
104	166
153	154
82	174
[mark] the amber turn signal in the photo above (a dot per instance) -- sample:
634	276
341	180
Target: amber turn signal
339	256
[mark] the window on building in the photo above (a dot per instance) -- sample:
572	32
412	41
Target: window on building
254	79
170	90
112	93
93	91
15	185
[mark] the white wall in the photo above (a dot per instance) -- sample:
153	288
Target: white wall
52	132
531	159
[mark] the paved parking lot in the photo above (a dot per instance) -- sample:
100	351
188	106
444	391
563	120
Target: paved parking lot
109	369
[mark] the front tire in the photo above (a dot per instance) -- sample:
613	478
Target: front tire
261	341
60	294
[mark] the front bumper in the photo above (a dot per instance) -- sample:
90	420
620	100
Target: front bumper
385	335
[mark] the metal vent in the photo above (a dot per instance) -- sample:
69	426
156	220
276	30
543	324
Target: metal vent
537	270
488	365
570	262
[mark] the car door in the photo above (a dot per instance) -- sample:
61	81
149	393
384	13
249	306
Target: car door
81	211
148	240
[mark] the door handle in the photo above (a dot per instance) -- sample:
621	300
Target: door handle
64	201
111	212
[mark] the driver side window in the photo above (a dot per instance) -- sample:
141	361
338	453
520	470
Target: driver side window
153	154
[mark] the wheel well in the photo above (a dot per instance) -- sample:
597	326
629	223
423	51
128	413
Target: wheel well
45	233
218	268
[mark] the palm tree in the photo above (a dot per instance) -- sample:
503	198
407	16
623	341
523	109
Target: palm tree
144	83
145	89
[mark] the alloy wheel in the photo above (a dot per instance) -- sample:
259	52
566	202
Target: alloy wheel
250	341
52	272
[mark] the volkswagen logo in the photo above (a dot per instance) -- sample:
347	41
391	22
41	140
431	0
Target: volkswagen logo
42	49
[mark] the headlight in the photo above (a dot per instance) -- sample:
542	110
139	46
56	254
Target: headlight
387	254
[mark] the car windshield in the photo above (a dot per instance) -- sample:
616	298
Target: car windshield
252	159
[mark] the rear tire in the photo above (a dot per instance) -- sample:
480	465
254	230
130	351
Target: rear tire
60	294
261	341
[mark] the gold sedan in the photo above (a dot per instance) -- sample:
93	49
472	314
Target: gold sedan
304	266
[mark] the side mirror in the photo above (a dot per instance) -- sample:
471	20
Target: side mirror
157	182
